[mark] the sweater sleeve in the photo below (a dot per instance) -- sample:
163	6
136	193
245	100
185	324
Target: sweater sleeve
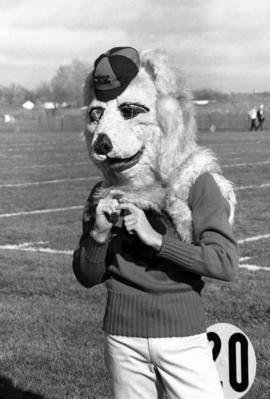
214	251
89	259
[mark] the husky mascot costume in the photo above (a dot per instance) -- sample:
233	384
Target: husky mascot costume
157	222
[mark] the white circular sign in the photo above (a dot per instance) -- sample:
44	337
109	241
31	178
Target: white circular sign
235	359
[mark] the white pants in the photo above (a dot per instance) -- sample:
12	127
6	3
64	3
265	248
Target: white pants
142	368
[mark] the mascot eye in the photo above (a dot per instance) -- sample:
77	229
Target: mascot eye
129	111
95	114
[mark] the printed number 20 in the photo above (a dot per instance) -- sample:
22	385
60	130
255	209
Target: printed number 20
233	340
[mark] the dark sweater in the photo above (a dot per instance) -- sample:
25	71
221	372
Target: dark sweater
158	294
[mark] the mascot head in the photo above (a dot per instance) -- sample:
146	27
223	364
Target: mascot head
139	120
141	133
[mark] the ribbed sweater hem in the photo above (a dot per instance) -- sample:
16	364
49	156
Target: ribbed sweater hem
156	316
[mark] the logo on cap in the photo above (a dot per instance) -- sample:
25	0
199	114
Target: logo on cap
113	72
100	80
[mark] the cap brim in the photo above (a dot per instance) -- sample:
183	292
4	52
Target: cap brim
108	95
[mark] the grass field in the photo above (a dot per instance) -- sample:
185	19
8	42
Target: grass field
50	326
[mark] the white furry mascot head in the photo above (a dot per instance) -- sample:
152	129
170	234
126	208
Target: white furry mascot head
141	133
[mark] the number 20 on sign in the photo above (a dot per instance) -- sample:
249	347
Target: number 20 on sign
235	359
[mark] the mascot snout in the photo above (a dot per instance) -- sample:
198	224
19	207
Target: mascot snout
102	144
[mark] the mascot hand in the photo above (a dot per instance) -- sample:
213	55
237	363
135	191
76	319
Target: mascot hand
104	220
135	221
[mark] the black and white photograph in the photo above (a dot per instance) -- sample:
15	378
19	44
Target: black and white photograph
134	199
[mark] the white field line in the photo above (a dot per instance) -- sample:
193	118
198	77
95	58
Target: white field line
244	258
252	186
237	165
247	258
19	156
40	211
31	247
45	182
43	148
35	247
254	238
28	248
86	163
246	152
250	266
51	165
240	141
56	155
29	143
39	183
254	268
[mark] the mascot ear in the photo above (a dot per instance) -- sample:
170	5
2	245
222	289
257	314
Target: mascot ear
88	90
88	95
158	66
175	110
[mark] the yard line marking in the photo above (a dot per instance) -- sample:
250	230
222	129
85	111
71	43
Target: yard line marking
87	163
20	156
30	244
10	185
40	211
56	155
51	165
28	248
45	182
252	186
44	147
254	238
50	141
245	152
244	258
254	268
245	164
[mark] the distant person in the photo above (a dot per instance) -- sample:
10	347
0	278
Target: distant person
253	118
260	117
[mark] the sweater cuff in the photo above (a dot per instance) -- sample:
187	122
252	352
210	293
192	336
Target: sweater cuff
94	251
176	251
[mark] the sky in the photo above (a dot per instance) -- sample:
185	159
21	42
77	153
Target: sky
221	44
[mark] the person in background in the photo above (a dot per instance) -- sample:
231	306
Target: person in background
253	118
260	117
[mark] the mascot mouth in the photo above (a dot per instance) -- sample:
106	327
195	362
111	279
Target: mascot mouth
121	164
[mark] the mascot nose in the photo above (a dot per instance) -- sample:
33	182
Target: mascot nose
103	144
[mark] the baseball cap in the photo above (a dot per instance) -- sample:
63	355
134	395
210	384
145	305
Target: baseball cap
113	72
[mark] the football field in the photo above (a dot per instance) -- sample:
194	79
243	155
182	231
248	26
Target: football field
51	337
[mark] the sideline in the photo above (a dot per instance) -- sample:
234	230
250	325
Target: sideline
57	181
254	238
27	247
254	268
245	164
38	247
42	148
252	186
51	165
40	211
45	182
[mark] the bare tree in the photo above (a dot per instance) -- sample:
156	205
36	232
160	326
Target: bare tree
68	82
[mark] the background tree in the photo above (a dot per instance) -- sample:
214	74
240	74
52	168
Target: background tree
16	94
44	92
68	82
